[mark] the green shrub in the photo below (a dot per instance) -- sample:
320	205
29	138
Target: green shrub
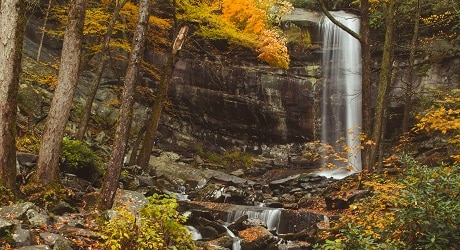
238	158
80	160
6	196
234	157
158	226
420	209
47	196
30	142
429	216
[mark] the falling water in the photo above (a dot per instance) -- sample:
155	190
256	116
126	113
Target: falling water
341	92
196	235
236	240
270	216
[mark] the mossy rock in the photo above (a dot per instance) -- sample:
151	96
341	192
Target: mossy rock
79	159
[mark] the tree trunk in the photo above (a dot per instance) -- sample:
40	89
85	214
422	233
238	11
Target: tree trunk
136	144
50	147
366	79
12	23
384	82
382	144
154	117
100	69
110	183
152	124
409	85
40	46
84	120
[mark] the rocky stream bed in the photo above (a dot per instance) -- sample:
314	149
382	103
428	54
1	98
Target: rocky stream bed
273	204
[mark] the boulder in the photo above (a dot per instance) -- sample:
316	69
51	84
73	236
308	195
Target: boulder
255	238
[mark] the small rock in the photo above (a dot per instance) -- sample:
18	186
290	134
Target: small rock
35	247
17	211
21	236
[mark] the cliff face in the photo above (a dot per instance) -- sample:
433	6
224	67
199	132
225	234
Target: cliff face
241	99
225	99
246	102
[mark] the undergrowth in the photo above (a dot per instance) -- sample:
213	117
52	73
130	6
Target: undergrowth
419	209
158	226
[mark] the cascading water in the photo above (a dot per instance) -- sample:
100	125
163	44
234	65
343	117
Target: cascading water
270	216
341	93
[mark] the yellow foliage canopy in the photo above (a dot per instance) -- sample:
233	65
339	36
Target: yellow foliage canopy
443	117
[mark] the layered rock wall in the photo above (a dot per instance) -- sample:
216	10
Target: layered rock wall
247	102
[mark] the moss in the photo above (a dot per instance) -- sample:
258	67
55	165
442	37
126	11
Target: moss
80	160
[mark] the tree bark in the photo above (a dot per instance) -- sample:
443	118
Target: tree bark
110	183
12	23
100	69
384	82
50	147
154	118
366	73
409	85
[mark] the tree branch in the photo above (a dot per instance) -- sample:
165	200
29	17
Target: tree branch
336	22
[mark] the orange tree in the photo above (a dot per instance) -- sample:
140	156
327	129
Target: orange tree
252	24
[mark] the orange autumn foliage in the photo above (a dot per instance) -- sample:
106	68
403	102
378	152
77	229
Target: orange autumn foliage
248	23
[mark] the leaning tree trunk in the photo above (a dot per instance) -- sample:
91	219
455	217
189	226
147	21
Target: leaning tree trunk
12	23
42	38
100	69
409	85
136	144
50	147
384	82
152	123
110	183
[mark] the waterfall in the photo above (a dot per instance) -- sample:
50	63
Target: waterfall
341	97
196	235
236	241
270	216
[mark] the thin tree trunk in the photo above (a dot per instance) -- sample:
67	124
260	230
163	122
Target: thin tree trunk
50	147
384	81
136	144
43	30
152	124
84	120
366	80
382	143
12	23
409	85
100	69
110	183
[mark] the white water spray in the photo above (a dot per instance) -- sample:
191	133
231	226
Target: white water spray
341	92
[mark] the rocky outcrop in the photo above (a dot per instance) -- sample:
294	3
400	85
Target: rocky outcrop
246	102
